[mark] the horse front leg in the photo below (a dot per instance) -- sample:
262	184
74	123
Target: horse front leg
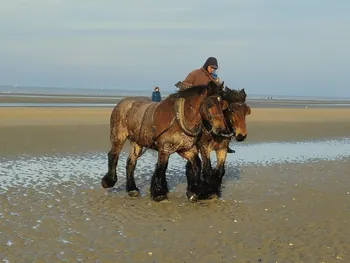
195	185
219	172
159	187
210	183
207	169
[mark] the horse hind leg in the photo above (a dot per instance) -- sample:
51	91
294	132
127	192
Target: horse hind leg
118	139
131	162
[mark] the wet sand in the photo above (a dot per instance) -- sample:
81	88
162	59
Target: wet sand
282	213
288	211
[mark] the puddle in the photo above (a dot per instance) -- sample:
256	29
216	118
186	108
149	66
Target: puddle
87	169
290	152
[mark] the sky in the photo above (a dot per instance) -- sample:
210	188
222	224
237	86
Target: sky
289	47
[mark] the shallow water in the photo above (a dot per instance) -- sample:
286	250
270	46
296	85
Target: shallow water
87	169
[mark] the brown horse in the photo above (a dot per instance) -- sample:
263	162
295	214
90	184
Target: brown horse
172	125
235	115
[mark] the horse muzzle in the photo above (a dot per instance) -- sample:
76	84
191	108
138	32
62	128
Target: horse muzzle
240	137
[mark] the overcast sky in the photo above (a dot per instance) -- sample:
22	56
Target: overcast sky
289	47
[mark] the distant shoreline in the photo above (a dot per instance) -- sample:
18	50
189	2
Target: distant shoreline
40	91
67	100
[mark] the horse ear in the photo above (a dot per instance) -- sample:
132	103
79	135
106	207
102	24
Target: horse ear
243	94
223	84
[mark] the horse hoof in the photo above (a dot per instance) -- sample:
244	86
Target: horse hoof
160	198
213	197
192	197
134	194
106	182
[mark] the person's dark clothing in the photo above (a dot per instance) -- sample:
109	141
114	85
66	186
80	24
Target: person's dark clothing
156	97
211	61
201	76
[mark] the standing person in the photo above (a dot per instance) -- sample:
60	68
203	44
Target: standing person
156	97
203	76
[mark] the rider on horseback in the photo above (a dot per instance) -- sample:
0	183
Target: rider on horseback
203	76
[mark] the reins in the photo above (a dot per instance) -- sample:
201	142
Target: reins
211	117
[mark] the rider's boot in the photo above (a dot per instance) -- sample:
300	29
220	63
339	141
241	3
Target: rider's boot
229	150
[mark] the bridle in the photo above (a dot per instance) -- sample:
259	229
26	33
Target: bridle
206	123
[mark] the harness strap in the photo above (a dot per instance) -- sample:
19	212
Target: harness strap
177	115
154	137
143	119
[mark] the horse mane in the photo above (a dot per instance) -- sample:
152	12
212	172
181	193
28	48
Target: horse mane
232	95
191	91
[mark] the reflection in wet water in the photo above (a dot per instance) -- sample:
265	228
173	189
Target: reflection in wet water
40	171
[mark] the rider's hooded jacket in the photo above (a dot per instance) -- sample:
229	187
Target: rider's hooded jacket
201	76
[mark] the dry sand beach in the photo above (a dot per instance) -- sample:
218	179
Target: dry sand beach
51	130
286	194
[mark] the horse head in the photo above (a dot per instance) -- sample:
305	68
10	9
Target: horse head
239	111
197	95
213	119
236	112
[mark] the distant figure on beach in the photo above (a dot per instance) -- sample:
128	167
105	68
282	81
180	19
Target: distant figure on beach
156	97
